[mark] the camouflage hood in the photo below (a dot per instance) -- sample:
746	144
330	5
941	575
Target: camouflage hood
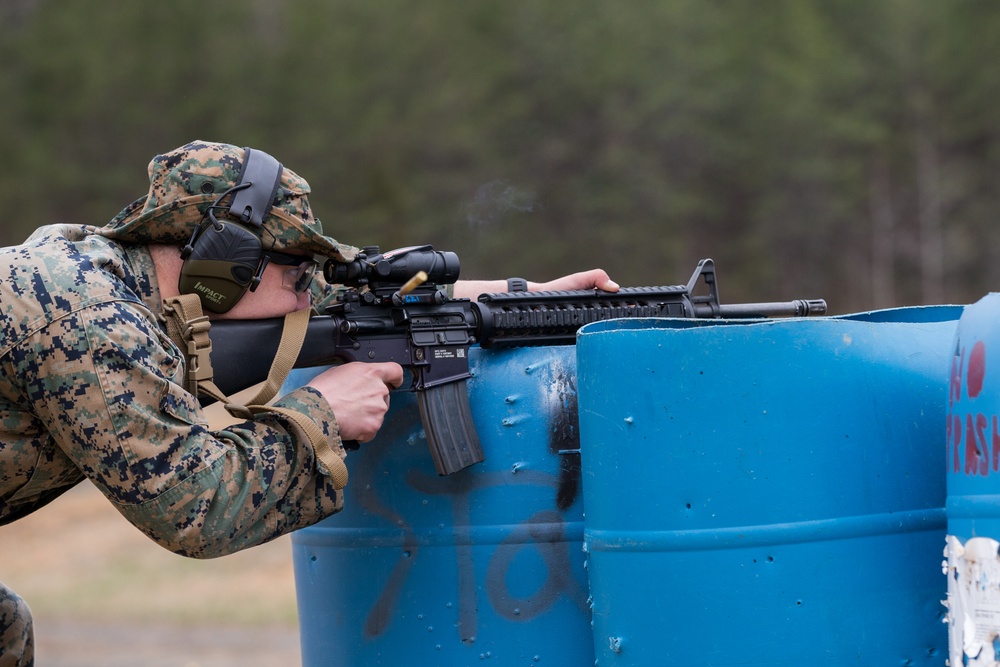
184	182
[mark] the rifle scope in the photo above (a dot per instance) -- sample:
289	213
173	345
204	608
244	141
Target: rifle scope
373	267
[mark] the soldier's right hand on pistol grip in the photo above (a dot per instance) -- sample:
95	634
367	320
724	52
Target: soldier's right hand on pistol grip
358	393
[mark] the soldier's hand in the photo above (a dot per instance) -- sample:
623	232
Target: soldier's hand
584	280
359	396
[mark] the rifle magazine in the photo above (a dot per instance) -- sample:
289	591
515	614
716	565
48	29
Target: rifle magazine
451	432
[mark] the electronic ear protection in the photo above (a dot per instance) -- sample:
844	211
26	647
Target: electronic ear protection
225	256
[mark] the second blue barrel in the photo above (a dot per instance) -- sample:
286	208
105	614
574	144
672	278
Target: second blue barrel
766	492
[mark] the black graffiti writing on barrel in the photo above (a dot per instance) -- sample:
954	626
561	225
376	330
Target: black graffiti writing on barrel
541	535
546	536
547	526
547	532
384	609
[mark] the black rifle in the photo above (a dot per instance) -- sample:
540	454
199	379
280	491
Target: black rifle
393	308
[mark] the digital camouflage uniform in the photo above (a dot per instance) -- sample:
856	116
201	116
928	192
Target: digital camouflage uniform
17	645
93	387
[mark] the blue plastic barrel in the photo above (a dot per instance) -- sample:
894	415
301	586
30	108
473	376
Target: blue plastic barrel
766	492
485	566
973	486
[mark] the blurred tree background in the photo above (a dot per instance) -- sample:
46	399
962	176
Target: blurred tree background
845	150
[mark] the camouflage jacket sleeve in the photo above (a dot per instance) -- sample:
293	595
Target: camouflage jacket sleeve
108	384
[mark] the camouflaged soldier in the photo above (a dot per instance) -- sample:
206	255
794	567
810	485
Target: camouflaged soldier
95	388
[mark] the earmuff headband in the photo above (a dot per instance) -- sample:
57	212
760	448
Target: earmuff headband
251	205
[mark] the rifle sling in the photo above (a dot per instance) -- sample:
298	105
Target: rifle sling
188	327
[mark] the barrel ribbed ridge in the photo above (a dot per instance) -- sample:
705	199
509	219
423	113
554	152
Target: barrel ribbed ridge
737	537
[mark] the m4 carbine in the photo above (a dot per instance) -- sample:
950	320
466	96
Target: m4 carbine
392	307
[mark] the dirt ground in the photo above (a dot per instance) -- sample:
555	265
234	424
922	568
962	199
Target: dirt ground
104	594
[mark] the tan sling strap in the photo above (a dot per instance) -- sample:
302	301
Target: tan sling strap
188	327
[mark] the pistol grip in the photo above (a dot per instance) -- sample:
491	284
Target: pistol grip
451	433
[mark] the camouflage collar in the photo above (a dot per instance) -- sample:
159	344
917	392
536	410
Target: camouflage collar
144	272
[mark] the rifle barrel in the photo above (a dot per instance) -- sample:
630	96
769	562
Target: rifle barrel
796	308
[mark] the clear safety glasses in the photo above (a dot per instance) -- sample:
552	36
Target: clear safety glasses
300	274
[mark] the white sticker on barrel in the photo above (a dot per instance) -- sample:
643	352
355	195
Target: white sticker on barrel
973	603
